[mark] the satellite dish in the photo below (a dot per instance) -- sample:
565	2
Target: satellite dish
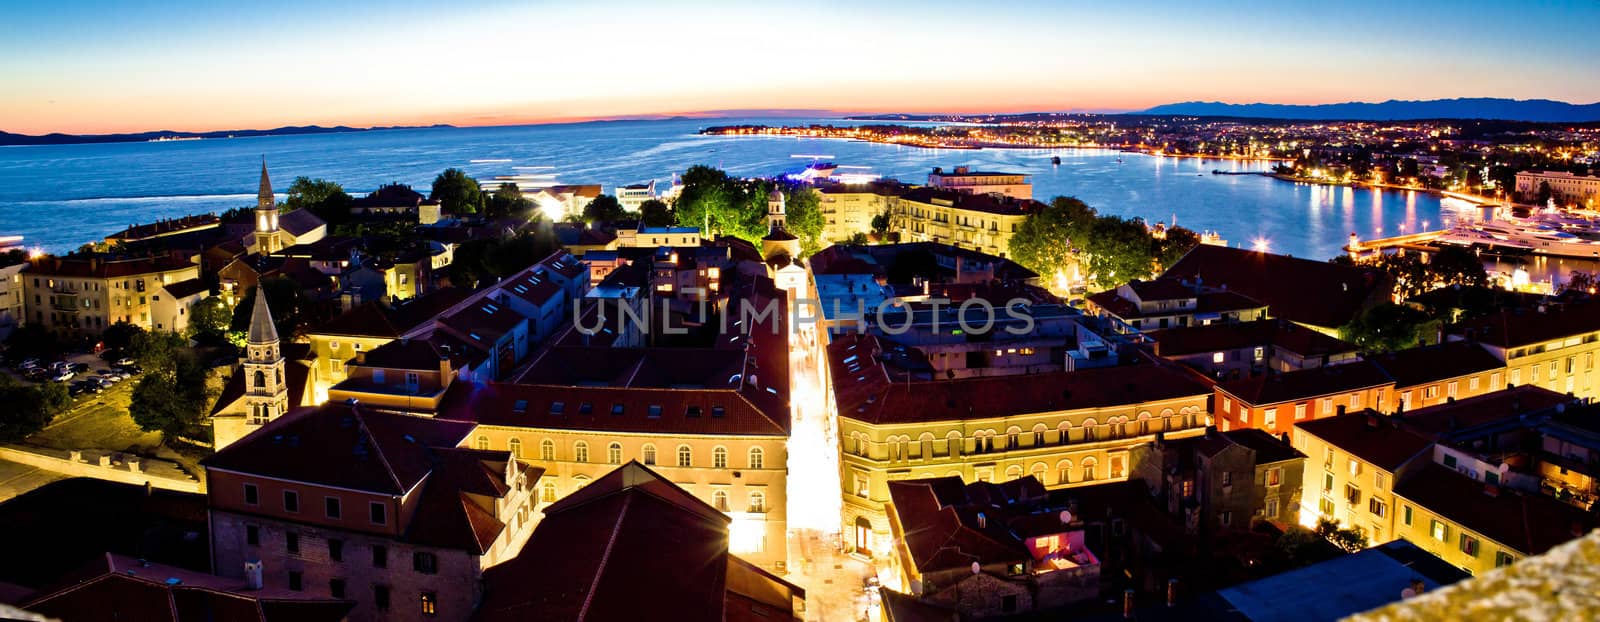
977	569
1066	517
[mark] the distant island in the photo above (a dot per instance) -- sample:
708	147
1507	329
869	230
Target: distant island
8	138
1535	110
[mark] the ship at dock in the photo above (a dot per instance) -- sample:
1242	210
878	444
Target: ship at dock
1549	231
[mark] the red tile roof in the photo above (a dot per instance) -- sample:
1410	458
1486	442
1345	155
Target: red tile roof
1307	383
1317	293
105	266
118	588
1452	359
1439	420
676	411
1230	336
1519	327
1530	523
1208	301
865	392
1369	436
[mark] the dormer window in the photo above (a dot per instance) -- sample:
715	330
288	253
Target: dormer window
557	408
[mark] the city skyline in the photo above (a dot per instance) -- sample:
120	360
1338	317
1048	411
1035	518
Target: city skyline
93	67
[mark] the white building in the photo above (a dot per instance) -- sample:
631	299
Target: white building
633	196
1565	187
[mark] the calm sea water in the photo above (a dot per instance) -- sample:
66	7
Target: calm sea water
59	197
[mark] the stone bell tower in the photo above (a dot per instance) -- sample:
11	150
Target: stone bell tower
267	239
266	396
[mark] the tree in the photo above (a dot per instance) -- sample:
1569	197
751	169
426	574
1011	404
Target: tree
1456	265
324	198
120	335
1118	251
803	217
655	213
155	348
172	398
32	340
456	192
717	204
1043	243
880	224
210	318
28	409
1384	328
1351	539
856	239
1179	241
1580	281
604	208
508	200
1544	194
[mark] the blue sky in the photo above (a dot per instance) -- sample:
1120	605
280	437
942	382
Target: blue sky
117	66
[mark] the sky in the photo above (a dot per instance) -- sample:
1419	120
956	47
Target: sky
81	66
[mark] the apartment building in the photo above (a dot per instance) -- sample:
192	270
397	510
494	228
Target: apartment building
964	179
1551	345
1276	402
1150	306
1566	188
1229	351
982	222
88	292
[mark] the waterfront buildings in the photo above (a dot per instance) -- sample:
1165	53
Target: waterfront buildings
1063	428
88	292
964	179
1149	306
631	196
1551	345
1229	351
848	209
1319	295
982	222
560	201
386	510
1276	402
1565	188
170	227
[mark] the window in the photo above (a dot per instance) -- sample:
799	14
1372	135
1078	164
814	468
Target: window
1516	376
1450	460
1355	467
719	500
424	562
1503	559
1468	545
330	506
616	409
1432	391
1225	518
758	501
1438	530
1376	507
547	450
547	494
1450	389
1352	494
336	550
1326	506
1275	476
380	597
1272	507
482	443
251	495
1405	514
1327	482
515	447
580	451
1227	478
412	379
377	376
430	603
1355	401
1299	412
377	513
614	453
380	556
654	412
252	535
336	588
649	454
1491	477
291	501
757	458
1216	358
1269	418
557	408
1260	353
685	456
295	580
1227	404
291	542
719	458
1379	480
1187	488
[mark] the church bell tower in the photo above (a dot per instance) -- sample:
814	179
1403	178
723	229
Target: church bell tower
266	216
266	395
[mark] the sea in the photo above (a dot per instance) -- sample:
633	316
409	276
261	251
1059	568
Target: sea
62	196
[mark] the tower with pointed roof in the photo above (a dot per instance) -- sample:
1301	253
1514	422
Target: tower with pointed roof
267	239
266	395
778	242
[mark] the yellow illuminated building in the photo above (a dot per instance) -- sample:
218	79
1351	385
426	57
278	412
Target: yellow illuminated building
1552	346
982	222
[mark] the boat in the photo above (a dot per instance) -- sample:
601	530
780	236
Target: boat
1056	160
1529	236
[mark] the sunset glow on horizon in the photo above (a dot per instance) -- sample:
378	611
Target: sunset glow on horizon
100	67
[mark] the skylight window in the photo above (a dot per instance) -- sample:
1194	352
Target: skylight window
585	408
692	411
520	407
616	409
556	408
655	411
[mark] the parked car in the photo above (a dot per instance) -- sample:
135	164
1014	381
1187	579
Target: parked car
123	362
32	362
79	368
62	376
104	382
36	374
109	377
130	370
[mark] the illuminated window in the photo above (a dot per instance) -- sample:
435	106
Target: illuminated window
649	454
580	451
482	442
757	458
430	603
1503	559
1299	412
547	492
758	502
719	458
1275	476
685	456
1376	507
1468	545
1269	418
1216	357
614	453
719	500
1438	530
547	449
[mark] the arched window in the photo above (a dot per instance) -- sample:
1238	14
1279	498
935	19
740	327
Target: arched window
261	379
1038	435
719	500
1088	469
1088	428
614	453
547	449
685	456
953	444
649	454
758	501
1038	472
925	445
1063	432
1063	472
758	459
719	458
482	442
580	451
1013	437
1013	472
515	445
1144	423
547	492
579	482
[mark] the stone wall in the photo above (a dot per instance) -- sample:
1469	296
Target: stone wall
111	466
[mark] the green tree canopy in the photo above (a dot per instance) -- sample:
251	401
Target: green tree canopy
120	335
210	318
324	198
604	208
656	213
803	216
456	192
290	306
28	408
507	201
1385	328
1043	243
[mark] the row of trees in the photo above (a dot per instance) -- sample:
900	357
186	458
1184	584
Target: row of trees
29	408
1387	326
1110	250
716	203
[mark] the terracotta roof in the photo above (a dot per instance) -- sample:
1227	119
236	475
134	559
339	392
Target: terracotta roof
139	232
184	289
643	410
1530	523
1439	420
629	538
120	588
451	507
367	319
1452	359
1162	289
942	531
1317	293
105	266
865	392
1520	327
345	446
1234	335
1372	437
988	203
1268	448
405	354
1208	301
1306	383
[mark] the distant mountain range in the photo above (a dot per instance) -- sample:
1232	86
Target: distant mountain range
1536	110
7	138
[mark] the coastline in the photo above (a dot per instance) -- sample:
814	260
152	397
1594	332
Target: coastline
972	145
